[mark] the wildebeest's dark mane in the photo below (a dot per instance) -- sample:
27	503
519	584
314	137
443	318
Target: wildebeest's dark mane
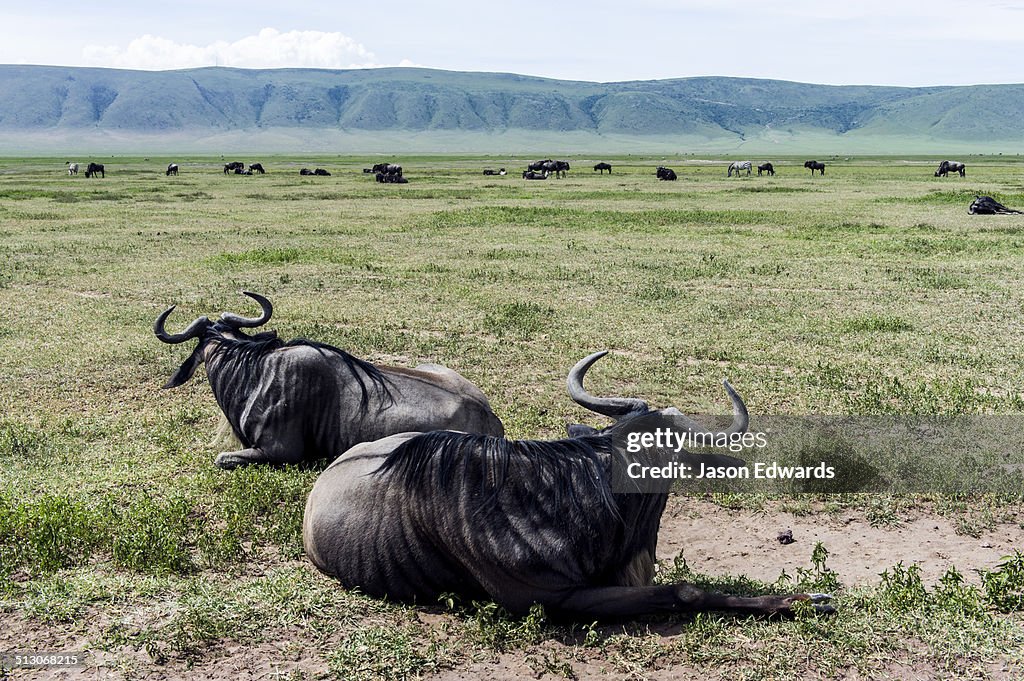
574	466
249	352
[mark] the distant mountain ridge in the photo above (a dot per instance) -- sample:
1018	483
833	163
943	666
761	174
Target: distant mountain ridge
56	107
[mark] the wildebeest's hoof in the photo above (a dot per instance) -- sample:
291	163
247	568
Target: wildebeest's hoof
821	603
228	461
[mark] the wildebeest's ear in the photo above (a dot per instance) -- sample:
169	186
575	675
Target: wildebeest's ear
580	430
186	370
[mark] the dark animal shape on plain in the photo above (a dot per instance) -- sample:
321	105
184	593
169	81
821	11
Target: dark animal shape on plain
95	168
234	167
815	165
540	165
257	168
417	515
321	172
303	400
986	205
305	171
387	169
72	167
738	166
603	167
172	169
664	173
535	175
561	168
240	171
491	171
947	167
766	168
390	178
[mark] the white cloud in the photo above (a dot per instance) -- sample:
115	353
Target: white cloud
269	48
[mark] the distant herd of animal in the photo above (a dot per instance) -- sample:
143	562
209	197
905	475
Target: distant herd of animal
541	170
538	170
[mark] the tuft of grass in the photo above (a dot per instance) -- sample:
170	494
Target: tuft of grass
519	320
877	323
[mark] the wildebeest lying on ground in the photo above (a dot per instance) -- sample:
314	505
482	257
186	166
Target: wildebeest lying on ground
947	167
72	167
234	167
300	400
986	205
492	171
518	522
535	175
766	168
319	171
95	168
664	173
391	179
172	169
737	166
602	166
815	165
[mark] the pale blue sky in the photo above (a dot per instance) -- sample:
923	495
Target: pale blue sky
878	42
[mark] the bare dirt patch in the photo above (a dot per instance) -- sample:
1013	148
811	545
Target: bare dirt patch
723	542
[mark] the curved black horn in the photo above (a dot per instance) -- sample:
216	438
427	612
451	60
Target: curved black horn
240	322
740	417
194	330
614	407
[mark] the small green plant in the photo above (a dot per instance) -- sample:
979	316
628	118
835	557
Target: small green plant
1004	585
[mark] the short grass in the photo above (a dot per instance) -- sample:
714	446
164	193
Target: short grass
867	291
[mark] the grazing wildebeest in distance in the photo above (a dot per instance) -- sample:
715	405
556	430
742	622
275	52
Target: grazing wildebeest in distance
303	400
491	171
561	168
947	167
815	165
417	515
535	175
234	167
257	168
72	167
738	166
172	169
94	168
602	166
664	173
986	205
766	168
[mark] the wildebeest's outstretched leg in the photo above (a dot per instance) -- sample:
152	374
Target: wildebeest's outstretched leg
635	601
286	448
244	457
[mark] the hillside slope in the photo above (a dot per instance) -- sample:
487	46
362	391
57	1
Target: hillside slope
54	106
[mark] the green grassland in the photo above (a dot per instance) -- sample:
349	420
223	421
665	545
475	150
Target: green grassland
867	291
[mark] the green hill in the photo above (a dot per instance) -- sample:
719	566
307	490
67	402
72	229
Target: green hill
49	109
